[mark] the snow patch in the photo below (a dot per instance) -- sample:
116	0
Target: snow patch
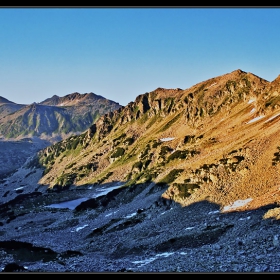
131	215
167	139
247	218
166	254
212	85
271	118
166	211
187	228
146	261
255	119
71	204
79	228
237	204
111	213
103	191
213	212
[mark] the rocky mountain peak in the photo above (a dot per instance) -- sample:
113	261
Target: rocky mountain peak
74	99
276	82
54	118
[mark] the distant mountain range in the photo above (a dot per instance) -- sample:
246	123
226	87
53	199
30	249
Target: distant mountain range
53	119
24	129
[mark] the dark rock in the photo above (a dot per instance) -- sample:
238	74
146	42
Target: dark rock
13	267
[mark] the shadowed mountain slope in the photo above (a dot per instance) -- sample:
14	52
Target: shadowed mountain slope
5	101
8	107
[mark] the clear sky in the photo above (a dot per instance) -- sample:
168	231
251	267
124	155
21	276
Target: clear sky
122	52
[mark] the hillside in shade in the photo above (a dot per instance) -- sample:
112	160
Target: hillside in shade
7	107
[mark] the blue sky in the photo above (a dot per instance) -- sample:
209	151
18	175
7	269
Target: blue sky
119	53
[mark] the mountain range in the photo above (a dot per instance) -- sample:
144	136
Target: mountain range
180	180
218	139
24	129
54	118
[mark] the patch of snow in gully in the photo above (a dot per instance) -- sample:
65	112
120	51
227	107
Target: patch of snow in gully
255	119
271	118
167	139
131	215
111	213
237	204
103	191
71	204
146	261
79	228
